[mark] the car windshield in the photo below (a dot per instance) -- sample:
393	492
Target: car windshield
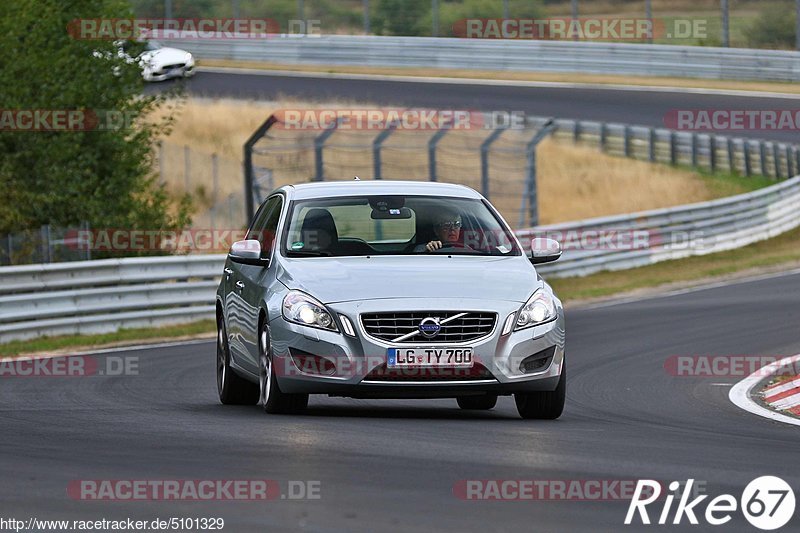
395	225
153	45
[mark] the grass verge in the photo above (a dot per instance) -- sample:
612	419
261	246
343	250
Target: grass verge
781	250
50	345
594	79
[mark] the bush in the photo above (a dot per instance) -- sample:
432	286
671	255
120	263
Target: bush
773	28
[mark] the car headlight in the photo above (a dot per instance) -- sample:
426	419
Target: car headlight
301	308
539	309
188	58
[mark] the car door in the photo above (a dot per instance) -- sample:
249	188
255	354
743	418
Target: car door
237	312
257	280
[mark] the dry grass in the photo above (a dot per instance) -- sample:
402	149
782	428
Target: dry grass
574	181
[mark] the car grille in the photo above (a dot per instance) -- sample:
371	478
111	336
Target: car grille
167	68
477	372
389	326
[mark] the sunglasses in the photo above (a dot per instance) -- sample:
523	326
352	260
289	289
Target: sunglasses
450	225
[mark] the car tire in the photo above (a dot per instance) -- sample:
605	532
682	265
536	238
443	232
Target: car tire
477	403
231	387
544	405
272	399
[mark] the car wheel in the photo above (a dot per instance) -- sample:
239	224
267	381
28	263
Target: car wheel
272	399
232	388
544	405
477	403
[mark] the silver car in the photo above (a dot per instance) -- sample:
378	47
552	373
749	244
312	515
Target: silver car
388	289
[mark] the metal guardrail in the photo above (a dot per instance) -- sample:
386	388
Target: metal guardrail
105	295
512	55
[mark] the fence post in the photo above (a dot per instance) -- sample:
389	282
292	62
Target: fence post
731	158
85	227
797	159
161	163
712	153
776	158
762	150
186	168
432	151
603	134
531	193
748	165
45	234
695	142
319	144
673	149
652	146
485	145
248	167
627	140
376	148
789	162
215	188
576	132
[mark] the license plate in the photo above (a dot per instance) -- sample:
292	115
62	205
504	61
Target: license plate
441	357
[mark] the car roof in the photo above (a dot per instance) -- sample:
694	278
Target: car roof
327	189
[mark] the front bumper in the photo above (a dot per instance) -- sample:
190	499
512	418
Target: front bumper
358	358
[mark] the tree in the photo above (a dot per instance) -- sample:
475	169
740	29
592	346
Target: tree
66	177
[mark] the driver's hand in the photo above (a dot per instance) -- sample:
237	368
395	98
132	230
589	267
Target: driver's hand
433	245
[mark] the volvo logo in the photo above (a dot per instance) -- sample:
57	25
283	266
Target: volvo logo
430	327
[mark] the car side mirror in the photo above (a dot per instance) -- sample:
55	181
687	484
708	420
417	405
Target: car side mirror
248	253
544	250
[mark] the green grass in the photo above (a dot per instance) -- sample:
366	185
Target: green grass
784	249
121	337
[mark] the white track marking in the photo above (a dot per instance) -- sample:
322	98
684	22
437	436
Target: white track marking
740	393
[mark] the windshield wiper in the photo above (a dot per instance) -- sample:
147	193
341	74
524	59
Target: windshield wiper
307	253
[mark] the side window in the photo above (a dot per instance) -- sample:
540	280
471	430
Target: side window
266	225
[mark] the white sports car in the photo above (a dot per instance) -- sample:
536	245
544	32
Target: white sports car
161	63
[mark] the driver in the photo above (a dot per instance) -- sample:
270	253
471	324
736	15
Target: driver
446	228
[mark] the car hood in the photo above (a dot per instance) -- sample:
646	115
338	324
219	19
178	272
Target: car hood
342	279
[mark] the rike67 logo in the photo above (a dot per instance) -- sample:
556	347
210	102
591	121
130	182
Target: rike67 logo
767	503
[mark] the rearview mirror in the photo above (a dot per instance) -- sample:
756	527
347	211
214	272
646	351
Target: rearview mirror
544	250
247	252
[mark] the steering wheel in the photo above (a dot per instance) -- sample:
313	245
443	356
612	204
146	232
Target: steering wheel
447	245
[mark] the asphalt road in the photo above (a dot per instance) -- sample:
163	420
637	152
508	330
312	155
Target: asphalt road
646	108
392	465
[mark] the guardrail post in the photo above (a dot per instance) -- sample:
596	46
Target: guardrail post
712	153
627	140
695	142
603	134
576	132
673	149
748	166
797	159
485	145
432	151
531	193
731	156
776	159
376	148
652	146
762	151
